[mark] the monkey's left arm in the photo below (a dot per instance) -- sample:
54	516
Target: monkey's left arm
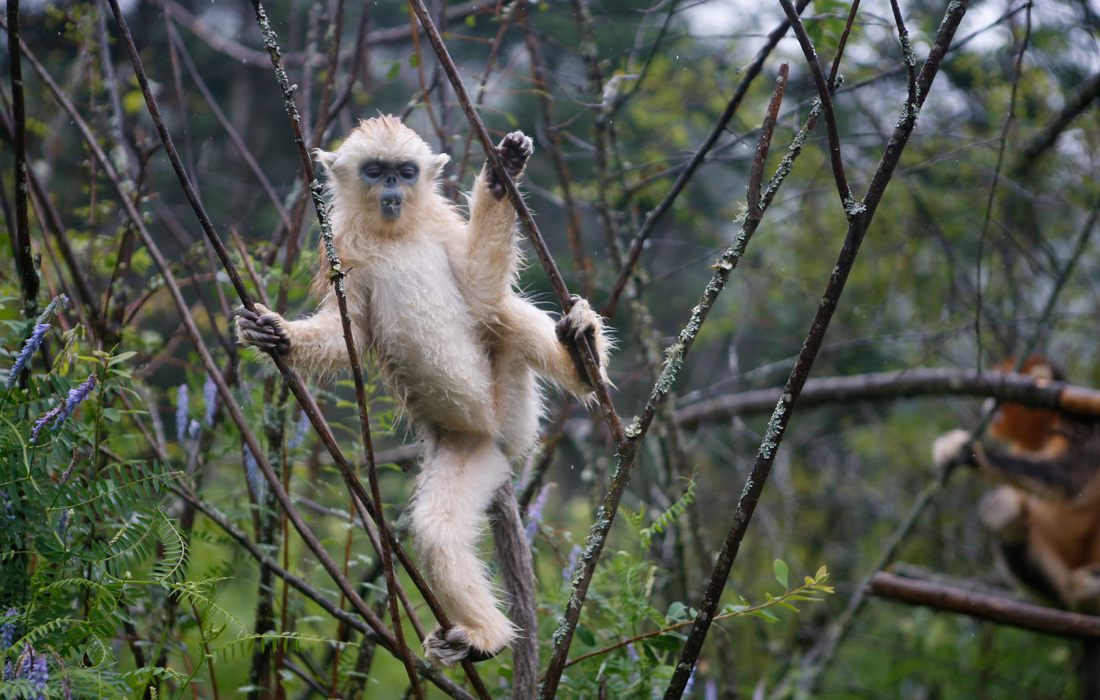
552	349
491	252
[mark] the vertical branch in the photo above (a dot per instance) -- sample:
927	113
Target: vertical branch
824	94
21	241
777	425
697	158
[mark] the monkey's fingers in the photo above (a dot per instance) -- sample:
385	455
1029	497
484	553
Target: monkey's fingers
514	150
264	331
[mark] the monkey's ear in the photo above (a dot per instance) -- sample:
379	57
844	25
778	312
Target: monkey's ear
324	158
435	165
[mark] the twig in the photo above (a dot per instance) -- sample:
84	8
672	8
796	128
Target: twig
230	130
697	158
991	197
581	263
21	242
303	586
983	606
490	62
824	94
777	425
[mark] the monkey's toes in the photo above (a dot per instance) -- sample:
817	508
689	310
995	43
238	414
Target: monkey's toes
453	645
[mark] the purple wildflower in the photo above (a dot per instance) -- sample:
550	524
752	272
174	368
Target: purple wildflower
710	690
252	473
9	675
7	630
632	652
183	408
63	525
49	417
534	514
29	348
26	659
193	429
76	396
571	568
39	675
67	689
691	680
209	401
299	431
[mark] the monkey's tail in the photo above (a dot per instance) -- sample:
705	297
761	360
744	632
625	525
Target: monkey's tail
448	512
517	575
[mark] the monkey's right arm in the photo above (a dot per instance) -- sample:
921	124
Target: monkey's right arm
314	344
491	254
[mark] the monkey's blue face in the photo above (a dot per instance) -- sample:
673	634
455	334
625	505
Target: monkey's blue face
391	179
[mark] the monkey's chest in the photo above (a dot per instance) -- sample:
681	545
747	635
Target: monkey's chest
427	340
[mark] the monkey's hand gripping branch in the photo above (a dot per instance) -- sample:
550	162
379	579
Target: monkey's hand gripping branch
514	150
263	329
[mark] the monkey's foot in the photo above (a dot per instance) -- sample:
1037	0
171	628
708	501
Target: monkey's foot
1004	512
263	329
1084	584
953	448
514	150
583	325
458	643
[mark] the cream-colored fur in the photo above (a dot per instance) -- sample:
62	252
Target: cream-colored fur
433	295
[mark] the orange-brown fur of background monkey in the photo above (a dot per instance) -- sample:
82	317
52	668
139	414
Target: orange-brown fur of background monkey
1046	515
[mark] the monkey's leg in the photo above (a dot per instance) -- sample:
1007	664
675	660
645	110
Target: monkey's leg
459	477
1004	511
517	573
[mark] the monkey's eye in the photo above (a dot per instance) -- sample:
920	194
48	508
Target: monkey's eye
408	171
372	171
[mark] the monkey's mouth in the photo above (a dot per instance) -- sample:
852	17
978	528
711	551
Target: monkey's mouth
390	207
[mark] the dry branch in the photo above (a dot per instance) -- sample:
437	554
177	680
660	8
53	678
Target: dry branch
901	384
983	606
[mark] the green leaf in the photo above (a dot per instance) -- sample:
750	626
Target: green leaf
586	636
781	572
121	357
676	612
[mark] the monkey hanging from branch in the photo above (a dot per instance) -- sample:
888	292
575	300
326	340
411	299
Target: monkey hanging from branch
433	295
1046	516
